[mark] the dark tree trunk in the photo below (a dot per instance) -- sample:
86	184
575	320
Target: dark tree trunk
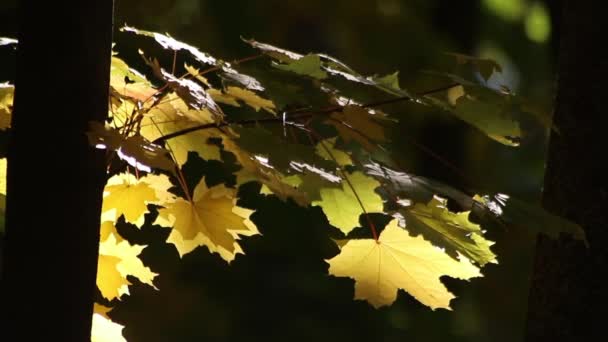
568	294
55	179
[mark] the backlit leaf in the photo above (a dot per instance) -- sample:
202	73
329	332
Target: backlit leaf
398	261
128	196
342	206
116	261
451	231
211	219
309	65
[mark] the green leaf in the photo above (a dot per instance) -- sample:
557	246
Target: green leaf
517	213
389	81
344	206
495	114
309	65
415	188
450	231
486	67
358	124
281	154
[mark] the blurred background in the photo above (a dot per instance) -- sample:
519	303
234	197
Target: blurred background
280	290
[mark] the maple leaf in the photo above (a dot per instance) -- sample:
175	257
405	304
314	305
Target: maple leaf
328	151
172	115
309	65
343	207
356	123
128	82
232	94
116	261
211	218
6	103
399	261
136	150
108	228
128	196
451	231
104	330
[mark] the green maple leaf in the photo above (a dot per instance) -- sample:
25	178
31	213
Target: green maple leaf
309	65
450	231
343	206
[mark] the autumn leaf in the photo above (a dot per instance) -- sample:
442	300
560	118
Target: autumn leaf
398	261
116	261
212	218
6	105
173	115
232	95
128	196
356	123
309	65
450	231
103	329
129	83
328	151
343	206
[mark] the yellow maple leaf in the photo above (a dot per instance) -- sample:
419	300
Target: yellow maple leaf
211	219
172	116
128	196
399	261
103	329
6	103
341	205
116	261
253	100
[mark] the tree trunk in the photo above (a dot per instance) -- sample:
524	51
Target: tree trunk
568	294
55	179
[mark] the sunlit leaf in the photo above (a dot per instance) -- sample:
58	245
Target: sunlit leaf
343	206
211	219
6	105
452	232
398	261
128	82
117	260
128	196
309	65
104	330
232	95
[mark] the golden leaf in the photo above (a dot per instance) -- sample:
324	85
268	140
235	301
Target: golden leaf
399	261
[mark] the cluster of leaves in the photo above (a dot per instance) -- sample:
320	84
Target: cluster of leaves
297	124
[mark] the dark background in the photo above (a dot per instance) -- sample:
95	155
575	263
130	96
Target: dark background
280	290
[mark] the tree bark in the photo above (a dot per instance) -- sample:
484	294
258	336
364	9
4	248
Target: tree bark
55	179
568	294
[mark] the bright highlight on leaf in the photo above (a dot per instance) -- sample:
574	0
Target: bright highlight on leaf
104	330
210	219
399	261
